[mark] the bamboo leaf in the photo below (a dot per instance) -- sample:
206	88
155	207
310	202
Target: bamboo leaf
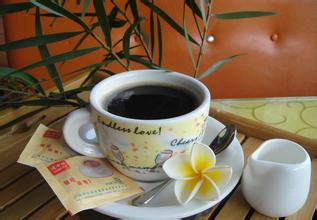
80	101
114	12
38	40
51	69
85	7
126	5
59	11
57	58
106	62
144	62
118	42
41	102
189	48
3	88
126	38
72	92
78	14
25	77
62	2
120	53
47	6
21	118
193	6
216	65
9	8
89	76
152	30
84	37
167	18
144	36
134	10
109	72
117	23
78	2
202	11
103	20
160	41
80	41
242	14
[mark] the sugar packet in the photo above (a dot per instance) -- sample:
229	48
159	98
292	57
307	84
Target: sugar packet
45	146
79	182
82	182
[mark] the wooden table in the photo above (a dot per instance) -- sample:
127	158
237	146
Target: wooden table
25	194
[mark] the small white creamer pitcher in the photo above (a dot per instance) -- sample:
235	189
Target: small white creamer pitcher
276	179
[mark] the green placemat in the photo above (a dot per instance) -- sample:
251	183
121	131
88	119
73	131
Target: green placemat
294	114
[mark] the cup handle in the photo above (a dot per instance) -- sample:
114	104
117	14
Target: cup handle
80	134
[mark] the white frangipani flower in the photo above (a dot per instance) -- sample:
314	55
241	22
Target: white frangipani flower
196	174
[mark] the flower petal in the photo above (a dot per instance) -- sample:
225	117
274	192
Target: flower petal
202	157
208	190
185	190
220	175
178	167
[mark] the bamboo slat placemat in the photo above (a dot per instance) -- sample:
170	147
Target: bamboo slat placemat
25	194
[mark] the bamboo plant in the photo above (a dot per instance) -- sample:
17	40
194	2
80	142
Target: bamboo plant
17	84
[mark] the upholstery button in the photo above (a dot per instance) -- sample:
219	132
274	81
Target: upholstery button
210	38
274	37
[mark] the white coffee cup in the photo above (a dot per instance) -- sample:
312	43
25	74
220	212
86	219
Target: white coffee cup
138	147
276	179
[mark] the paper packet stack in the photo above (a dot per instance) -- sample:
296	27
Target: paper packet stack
80	182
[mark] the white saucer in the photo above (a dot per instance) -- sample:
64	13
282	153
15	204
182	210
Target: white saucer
78	126
165	204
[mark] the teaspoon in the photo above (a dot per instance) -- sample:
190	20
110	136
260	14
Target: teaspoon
219	143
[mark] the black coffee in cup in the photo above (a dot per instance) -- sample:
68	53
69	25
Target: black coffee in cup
152	102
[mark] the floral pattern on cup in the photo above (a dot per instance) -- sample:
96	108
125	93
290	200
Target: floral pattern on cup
128	149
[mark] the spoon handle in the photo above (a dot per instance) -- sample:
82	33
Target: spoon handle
145	198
